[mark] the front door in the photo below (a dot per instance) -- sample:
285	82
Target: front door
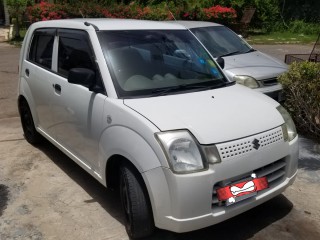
76	110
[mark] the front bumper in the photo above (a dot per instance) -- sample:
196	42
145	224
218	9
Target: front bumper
183	203
274	91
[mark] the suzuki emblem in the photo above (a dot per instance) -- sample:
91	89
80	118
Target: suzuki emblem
256	144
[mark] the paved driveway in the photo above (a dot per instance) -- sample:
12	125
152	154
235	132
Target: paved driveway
279	51
44	195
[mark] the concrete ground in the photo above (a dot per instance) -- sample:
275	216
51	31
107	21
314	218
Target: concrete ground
279	51
44	195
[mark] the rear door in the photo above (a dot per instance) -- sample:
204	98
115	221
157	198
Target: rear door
37	70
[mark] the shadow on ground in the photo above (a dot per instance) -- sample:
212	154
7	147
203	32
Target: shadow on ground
243	226
107	198
4	198
240	227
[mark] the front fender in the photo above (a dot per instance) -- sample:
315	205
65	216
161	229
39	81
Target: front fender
120	140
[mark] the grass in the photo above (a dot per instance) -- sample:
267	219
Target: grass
280	38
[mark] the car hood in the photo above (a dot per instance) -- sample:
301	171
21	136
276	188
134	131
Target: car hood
254	64
212	116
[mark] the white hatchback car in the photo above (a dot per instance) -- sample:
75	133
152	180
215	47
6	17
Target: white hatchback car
142	107
242	63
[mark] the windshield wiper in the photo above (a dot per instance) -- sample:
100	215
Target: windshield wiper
229	54
251	50
164	91
205	75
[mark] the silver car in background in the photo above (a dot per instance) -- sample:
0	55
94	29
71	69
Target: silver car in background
243	64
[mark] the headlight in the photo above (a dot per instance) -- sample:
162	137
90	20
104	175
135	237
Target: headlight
247	81
182	151
288	128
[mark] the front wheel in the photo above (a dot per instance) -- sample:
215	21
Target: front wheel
135	203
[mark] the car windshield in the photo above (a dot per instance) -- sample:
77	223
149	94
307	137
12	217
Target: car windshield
221	41
158	62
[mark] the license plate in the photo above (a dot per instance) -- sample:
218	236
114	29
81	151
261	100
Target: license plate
243	197
242	190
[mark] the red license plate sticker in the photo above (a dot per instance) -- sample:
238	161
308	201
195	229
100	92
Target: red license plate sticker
241	190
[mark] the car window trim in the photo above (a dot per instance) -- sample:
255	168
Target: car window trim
54	31
67	32
41	31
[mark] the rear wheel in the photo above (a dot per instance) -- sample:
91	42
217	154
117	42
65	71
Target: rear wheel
30	132
135	203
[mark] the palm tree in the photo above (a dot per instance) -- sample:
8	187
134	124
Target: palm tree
16	10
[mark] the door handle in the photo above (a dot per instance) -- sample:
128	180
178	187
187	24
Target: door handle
57	88
27	72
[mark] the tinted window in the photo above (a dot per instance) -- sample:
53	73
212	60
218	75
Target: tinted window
74	51
41	47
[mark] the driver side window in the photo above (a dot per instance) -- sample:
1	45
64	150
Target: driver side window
74	52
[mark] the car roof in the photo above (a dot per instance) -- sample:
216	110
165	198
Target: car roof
108	24
195	24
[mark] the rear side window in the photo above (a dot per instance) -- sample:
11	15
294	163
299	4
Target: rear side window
74	51
41	47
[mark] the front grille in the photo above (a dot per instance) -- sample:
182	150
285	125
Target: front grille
244	146
269	82
275	173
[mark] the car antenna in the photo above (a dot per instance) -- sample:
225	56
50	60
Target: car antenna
170	12
90	24
172	15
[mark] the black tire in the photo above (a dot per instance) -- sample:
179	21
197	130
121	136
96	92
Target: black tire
29	130
135	203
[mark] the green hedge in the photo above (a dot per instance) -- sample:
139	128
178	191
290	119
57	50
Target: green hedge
162	11
301	86
266	14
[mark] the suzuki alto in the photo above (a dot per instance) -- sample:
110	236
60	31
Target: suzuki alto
143	108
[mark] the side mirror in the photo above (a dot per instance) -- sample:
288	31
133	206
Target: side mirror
82	76
220	61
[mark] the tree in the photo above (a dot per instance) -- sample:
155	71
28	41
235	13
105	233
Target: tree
16	10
